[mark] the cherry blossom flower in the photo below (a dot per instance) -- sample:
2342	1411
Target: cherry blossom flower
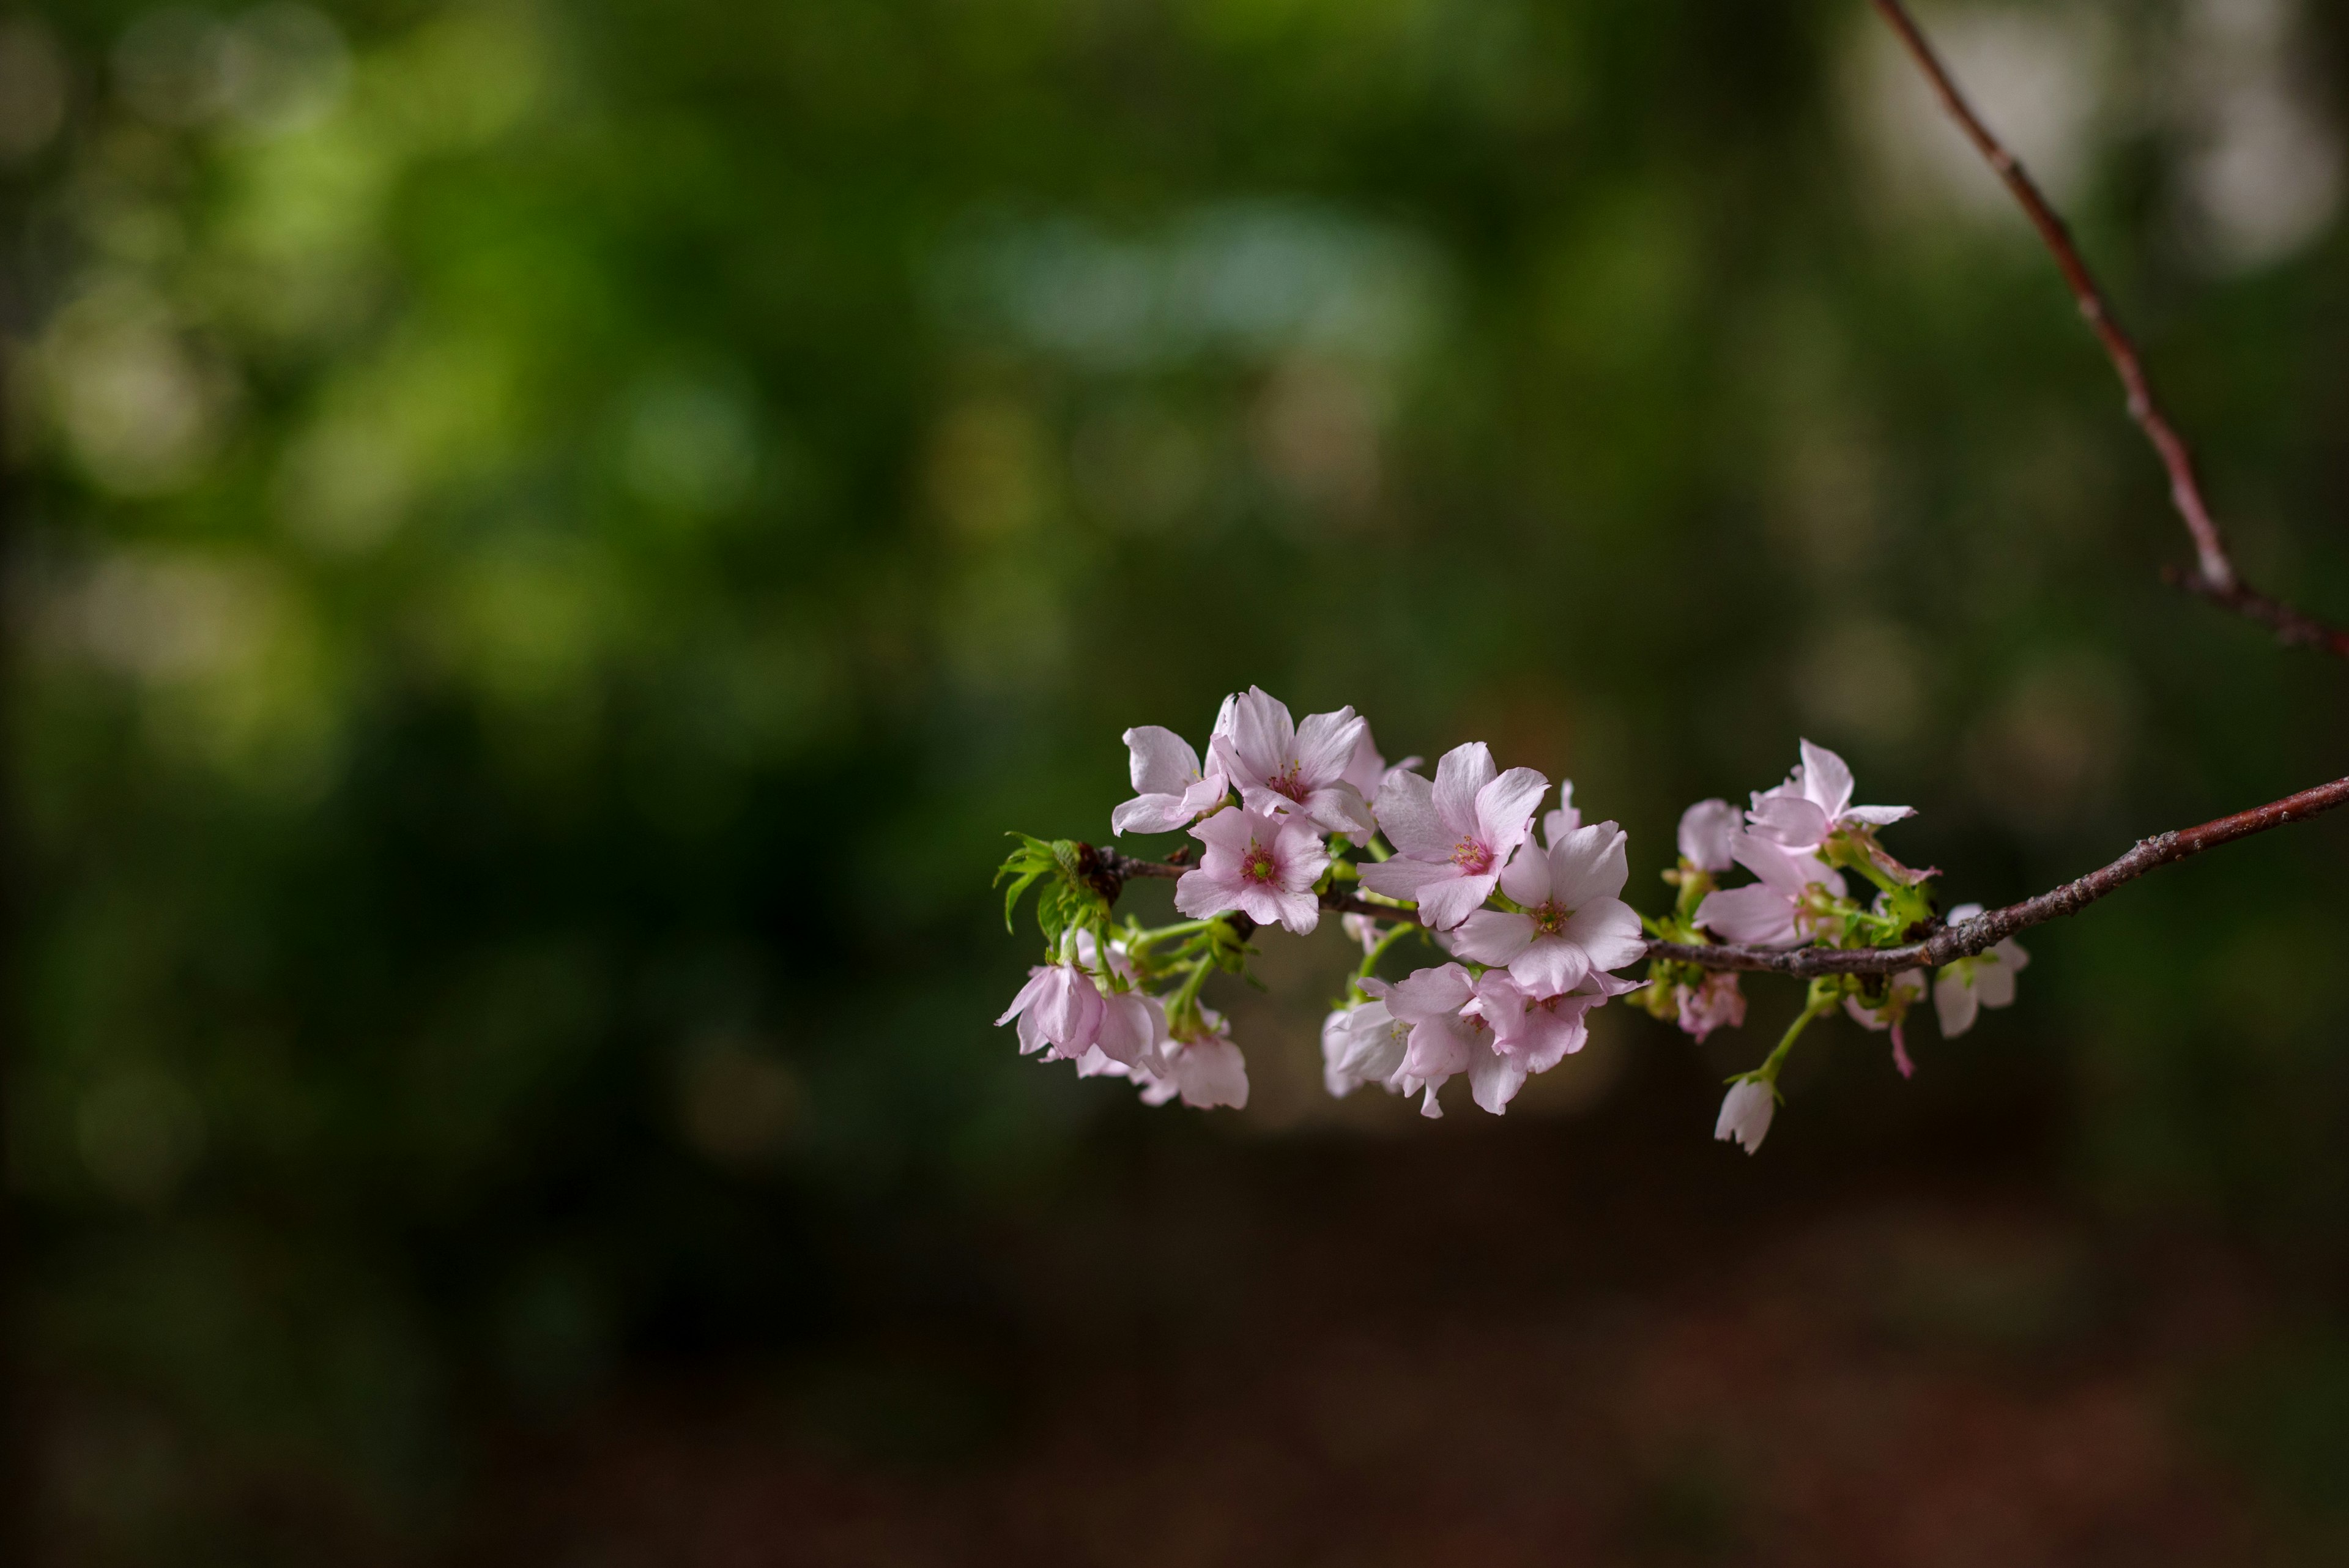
1262	864
1717	1004
1171	790
1987	980
1060	1007
1200	1064
1706	829
1455	1025
1745	1113
1904	991
1767	913
1814	802
1572	923
1133	1026
1453	837
1363	1043
1280	766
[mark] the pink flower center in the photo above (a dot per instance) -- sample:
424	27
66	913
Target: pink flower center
1549	920
1290	782
1472	857
1258	865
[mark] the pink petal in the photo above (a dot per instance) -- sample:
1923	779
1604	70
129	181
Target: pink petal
1151	814
1790	820
1201	895
1550	967
1756	914
1233	829
1505	808
1262	739
1402	878
1826	780
1608	930
1325	746
1408	815
1588	863
1526	877
1162	761
1705	829
1446	901
1429	993
1493	1078
1463	771
1494	936
1028	994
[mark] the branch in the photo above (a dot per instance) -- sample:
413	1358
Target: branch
1109	871
1986	930
2214	577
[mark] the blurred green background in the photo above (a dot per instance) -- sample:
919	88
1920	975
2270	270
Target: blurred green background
548	542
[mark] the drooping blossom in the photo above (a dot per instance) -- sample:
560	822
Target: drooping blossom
1199	1063
1745	1113
1717	1004
1904	991
1280	766
1767	913
1060	1007
1969	984
1572	923
1262	864
1170	789
1453	837
1706	829
1363	1043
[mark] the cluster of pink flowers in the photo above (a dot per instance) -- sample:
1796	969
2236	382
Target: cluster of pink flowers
1797	838
1282	810
1293	819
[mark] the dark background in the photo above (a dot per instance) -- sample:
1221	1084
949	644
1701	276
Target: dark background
549	542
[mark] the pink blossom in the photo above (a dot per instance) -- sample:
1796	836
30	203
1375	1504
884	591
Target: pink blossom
1455	1027
1717	1004
1132	1025
1537	1033
1814	802
1900	993
1453	837
1745	1113
1281	766
1061	1007
1987	980
1200	1064
1572	923
1171	790
1767	913
1706	829
1262	864
1363	1043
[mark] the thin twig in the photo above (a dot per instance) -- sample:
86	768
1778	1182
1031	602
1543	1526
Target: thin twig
1984	931
1946	945
2214	577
